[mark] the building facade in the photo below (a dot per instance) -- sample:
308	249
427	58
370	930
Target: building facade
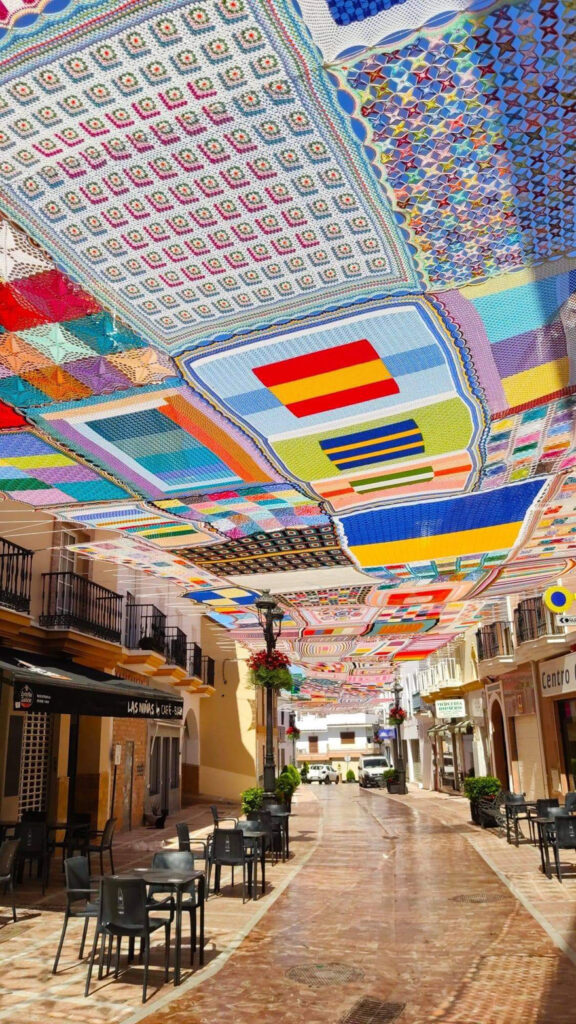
338	736
107	675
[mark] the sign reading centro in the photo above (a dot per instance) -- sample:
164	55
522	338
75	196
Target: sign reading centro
558	676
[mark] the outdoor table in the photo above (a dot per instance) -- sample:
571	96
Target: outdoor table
259	847
176	880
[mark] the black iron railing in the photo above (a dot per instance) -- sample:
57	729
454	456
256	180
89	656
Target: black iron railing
176	648
145	628
195	660
533	620
70	601
494	640
208	671
15	576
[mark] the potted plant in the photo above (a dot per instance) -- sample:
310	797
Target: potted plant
292	733
294	774
270	670
480	787
350	777
392	780
304	771
252	802
396	715
284	789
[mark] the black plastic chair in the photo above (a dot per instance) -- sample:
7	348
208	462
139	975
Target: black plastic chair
34	846
562	838
75	839
218	819
125	913
8	851
178	860
280	826
228	850
78	902
570	803
106	836
542	810
186	842
275	841
517	810
36	816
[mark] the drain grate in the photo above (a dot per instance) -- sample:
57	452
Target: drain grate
323	975
479	897
373	1011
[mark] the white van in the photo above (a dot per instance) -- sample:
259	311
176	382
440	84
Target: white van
370	769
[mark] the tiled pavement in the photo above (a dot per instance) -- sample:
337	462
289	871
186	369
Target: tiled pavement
31	994
399	895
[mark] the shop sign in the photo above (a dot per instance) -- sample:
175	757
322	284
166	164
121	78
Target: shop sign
455	708
387	733
66	700
558	676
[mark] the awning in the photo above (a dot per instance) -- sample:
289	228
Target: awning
438	730
64	688
462	726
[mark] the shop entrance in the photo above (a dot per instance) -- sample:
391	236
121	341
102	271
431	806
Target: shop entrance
567	716
499	753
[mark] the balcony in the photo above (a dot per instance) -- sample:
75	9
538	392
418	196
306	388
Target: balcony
532	621
15	576
495	641
70	601
145	628
195	660
176	647
208	671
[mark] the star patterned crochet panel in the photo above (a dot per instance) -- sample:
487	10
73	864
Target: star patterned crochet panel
188	170
271	552
475	130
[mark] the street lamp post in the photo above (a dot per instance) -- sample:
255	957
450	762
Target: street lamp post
270	617
400	766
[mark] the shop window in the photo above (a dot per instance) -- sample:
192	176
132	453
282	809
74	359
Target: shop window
155	767
347	738
175	763
312	744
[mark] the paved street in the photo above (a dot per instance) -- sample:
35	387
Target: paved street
407	913
395	900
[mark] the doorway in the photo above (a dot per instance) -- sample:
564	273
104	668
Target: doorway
499	752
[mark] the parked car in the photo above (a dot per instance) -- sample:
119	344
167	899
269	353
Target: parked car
370	769
322	773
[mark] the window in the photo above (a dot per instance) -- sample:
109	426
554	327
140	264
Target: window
175	763
347	737
312	744
155	767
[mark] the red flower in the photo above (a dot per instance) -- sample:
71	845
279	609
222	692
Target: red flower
271	661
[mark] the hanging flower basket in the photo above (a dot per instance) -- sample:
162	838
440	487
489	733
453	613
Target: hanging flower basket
292	733
270	670
396	716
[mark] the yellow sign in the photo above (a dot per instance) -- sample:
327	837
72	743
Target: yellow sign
558	599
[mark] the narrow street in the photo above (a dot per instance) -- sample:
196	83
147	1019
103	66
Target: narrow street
396	908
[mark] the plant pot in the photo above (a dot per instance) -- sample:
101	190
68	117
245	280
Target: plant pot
253	816
475	812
